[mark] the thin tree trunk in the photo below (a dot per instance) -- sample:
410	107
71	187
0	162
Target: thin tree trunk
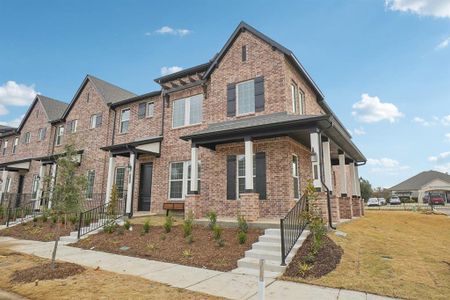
55	247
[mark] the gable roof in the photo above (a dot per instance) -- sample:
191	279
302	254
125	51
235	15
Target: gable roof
53	109
419	180
109	92
4	128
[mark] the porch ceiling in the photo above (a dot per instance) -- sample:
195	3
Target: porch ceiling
150	145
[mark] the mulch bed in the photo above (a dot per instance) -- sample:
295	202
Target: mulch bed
45	272
37	231
172	247
326	259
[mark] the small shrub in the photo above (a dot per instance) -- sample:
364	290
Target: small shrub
188	224
303	268
217	232
242	224
73	219
187	253
54	219
127	225
220	243
310	259
242	237
44	218
146	227
109	228
212	216
168	224
189	239
151	247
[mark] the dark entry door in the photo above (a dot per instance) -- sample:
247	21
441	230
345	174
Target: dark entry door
19	190
145	187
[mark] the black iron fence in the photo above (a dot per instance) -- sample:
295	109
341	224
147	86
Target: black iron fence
25	211
292	226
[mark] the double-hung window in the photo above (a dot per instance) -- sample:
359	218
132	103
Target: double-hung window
34	187
41	134
180	179
298	98
59	135
150	109
27	137
120	181
241	173
187	111
295	176
16	143
5	146
72	126
90	184
124	120
96	121
245	97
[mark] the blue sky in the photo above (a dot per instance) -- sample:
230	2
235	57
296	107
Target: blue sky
384	67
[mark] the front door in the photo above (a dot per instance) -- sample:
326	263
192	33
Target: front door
145	187
19	190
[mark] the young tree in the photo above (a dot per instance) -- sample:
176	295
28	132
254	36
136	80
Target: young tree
366	188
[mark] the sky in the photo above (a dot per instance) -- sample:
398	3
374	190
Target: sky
384	66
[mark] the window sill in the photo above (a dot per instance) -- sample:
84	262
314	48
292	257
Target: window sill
187	126
122	133
245	115
176	200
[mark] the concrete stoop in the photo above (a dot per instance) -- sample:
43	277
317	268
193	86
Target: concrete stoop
268	248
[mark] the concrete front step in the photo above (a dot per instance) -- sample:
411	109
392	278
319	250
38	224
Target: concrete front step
268	255
253	263
274	246
248	271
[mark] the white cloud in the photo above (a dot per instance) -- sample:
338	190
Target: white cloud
439	157
444	44
13	123
3	110
167	30
421	121
435	8
372	109
12	93
385	165
170	70
446	120
444	168
359	131
447	137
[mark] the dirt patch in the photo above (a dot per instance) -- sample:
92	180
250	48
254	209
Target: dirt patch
45	272
325	261
37	231
203	252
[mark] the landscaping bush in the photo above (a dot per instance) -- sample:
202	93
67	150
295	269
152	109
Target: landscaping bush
54	219
187	253
212	216
168	224
44	218
73	219
242	237
146	227
242	224
188	224
127	225
217	232
220	243
109	228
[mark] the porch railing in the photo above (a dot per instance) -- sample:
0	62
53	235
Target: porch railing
292	226
25	211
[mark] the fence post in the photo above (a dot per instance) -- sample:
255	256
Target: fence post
261	285
283	258
80	222
7	217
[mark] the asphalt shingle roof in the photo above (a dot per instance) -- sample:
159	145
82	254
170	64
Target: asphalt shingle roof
53	108
110	92
419	180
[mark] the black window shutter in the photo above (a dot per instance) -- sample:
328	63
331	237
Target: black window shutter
260	184
231	100
244	53
259	93
231	177
141	110
99	120
44	133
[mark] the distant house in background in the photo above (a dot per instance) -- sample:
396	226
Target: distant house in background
420	185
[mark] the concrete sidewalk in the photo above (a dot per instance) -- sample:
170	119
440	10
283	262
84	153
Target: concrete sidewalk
224	284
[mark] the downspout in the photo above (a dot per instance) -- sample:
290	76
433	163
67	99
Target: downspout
163	112
114	127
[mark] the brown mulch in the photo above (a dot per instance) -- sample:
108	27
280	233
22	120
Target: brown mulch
172	247
45	272
326	259
37	231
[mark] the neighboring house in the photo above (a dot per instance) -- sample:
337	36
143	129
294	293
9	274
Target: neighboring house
418	186
241	135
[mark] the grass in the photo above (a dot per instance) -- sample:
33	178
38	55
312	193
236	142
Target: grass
90	284
398	254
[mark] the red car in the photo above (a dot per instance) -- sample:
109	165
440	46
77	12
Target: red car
436	199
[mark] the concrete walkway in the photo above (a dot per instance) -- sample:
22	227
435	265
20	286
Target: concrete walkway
224	284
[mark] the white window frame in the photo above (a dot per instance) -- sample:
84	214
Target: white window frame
27	137
296	175
237	98
123	121
147	106
41	134
301	101
15	144
87	185
184	180
187	112
59	135
74	126
93	120
5	147
238	157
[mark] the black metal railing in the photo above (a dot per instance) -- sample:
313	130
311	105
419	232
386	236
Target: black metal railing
21	213
97	217
16	200
292	226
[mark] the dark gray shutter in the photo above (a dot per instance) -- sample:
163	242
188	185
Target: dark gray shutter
141	110
98	122
259	93
260	184
231	100
231	177
244	53
44	133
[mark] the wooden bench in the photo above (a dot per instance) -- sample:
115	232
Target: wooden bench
177	206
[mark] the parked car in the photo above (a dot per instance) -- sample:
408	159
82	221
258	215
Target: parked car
382	201
373	202
436	199
395	200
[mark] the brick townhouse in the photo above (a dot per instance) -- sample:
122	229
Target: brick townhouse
240	134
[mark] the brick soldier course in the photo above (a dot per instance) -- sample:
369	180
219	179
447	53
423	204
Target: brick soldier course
133	141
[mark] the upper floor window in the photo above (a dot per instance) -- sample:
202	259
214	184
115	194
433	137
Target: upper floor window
146	110
245	97
244	53
150	109
5	146
124	120
298	97
27	138
96	121
72	126
41	133
187	111
295	176
59	135
16	143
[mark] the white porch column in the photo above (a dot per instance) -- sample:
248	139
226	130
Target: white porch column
353	178
248	164
194	169
342	176
358	184
327	165
315	159
52	183
110	180
130	182
3	184
40	186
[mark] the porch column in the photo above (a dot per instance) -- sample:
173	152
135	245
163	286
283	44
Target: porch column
327	165
40	186
194	169
110	180
3	184
52	183
130	182
353	178
342	176
315	159
248	165
358	184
